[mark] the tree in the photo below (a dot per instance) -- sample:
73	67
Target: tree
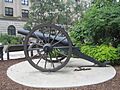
49	11
53	11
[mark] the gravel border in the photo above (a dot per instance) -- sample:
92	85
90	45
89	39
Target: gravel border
8	84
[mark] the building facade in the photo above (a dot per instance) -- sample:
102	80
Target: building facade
13	15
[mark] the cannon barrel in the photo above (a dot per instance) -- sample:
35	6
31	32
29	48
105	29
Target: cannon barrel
23	32
44	36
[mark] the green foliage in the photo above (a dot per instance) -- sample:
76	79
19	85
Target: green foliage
27	26
98	32
55	53
101	53
47	11
99	25
54	11
8	39
101	3
118	48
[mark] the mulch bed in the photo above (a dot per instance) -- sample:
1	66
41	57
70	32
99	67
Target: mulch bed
7	84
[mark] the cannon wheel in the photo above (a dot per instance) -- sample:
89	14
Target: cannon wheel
49	54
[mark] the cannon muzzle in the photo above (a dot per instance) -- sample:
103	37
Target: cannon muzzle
23	32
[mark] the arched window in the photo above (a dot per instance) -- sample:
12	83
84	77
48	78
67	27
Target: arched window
11	30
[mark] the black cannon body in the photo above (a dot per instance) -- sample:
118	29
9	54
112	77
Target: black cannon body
52	48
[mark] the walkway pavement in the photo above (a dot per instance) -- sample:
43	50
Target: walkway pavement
66	77
29	76
14	55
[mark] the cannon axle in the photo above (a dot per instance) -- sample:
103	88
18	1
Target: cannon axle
47	48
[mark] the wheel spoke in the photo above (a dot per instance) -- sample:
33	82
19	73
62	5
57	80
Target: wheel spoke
58	59
49	35
39	44
36	43
51	60
61	47
45	64
55	37
45	57
31	49
39	38
38	54
39	61
41	51
62	54
58	42
34	56
57	55
44	38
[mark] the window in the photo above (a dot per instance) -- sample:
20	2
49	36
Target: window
25	13
11	30
24	2
8	11
10	1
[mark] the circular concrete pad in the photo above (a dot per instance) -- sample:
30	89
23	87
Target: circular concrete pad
23	73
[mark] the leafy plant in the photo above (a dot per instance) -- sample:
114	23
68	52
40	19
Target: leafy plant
55	53
101	53
8	39
99	25
118	48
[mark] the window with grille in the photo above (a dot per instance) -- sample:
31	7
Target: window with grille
11	30
24	2
10	1
8	11
25	13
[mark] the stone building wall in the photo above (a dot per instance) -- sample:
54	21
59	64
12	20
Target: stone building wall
16	20
4	24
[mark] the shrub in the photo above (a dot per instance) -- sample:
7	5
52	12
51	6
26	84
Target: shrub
101	53
8	39
99	26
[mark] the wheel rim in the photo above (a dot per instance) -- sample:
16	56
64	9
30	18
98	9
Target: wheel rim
48	54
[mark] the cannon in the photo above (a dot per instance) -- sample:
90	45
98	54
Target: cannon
52	48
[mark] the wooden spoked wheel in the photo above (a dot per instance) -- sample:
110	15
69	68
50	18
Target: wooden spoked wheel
51	46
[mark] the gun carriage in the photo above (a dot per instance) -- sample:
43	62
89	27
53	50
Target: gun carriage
52	48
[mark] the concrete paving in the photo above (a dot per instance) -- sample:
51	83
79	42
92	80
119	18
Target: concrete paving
23	73
14	55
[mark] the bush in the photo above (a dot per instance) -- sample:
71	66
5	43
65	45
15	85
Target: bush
8	39
99	26
101	53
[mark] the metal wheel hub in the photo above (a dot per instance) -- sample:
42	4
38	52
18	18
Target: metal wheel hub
47	48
